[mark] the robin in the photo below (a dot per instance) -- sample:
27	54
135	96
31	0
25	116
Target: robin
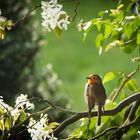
95	94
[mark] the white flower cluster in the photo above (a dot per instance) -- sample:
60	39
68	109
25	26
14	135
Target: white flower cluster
53	16
0	12
22	102
38	130
5	107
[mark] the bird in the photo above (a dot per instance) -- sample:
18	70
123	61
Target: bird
95	94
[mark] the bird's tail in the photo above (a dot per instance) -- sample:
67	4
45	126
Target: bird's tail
89	115
99	115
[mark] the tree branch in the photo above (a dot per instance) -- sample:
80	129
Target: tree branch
120	131
58	107
75	10
112	112
78	115
25	16
104	132
127	78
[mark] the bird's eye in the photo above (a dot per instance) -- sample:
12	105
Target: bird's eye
94	78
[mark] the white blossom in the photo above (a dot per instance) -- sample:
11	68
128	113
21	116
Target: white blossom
0	12
22	102
80	25
37	129
53	16
4	106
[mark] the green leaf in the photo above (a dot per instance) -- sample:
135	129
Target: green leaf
2	34
2	127
98	22
108	30
7	123
109	104
128	30
22	117
99	26
138	38
52	126
58	31
120	6
1	111
131	24
78	133
119	17
102	13
116	43
114	12
99	40
9	24
108	77
132	85
108	47
128	48
123	96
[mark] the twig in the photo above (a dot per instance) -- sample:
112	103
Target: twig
127	78
40	112
133	110
78	115
75	10
112	112
59	108
25	16
104	132
31	115
31	126
33	98
128	121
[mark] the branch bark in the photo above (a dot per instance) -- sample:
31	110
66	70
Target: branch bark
112	112
123	129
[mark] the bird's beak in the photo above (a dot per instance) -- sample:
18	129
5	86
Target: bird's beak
87	77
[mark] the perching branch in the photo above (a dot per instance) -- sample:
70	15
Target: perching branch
112	112
125	127
78	115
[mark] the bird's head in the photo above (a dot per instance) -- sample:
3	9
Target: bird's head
94	79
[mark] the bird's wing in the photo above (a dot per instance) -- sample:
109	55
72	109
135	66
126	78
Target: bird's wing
86	92
99	94
91	103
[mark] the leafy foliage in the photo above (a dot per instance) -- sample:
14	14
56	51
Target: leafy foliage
118	27
14	118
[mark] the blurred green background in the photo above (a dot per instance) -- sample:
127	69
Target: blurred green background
28	48
74	59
